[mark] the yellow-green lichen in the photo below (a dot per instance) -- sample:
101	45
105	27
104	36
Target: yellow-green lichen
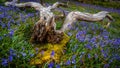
47	49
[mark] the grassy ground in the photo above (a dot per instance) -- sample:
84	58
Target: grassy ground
90	45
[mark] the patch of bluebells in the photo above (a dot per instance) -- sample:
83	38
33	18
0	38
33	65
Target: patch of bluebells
98	7
94	42
10	18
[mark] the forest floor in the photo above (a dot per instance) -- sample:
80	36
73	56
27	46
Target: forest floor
90	45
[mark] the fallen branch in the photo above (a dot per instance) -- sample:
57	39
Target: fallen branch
74	16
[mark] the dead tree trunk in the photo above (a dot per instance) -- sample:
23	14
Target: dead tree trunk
45	29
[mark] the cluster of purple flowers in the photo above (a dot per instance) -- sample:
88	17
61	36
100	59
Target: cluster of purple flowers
10	18
98	7
93	37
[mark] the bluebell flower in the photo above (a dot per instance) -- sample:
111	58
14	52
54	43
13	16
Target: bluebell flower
51	65
23	54
23	18
52	53
10	58
74	56
116	43
8	25
102	44
111	60
3	25
95	45
68	62
70	26
69	33
73	59
104	53
4	62
106	37
81	36
83	24
12	52
93	40
104	33
57	66
116	57
11	32
106	66
31	55
88	46
89	56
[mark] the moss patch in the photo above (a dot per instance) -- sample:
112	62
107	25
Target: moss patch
44	51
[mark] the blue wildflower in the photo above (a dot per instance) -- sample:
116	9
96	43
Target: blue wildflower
70	26
31	55
69	33
3	25
74	56
104	53
51	65
68	62
11	33
81	36
83	24
52	53
93	40
88	46
89	56
57	66
23	54
116	43
8	25
102	44
106	66
73	59
10	58
4	62
116	57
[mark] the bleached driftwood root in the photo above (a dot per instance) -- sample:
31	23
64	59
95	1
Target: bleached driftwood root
45	28
75	16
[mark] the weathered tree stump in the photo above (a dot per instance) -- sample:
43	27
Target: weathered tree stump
45	33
